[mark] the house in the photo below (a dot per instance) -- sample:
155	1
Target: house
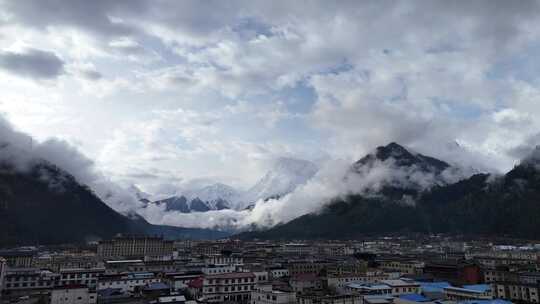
271	296
469	292
225	287
304	282
73	294
402	286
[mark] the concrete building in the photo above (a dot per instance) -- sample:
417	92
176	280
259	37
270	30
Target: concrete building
219	268
276	273
80	276
403	266
234	287
127	282
126	247
18	258
329	299
269	296
27	280
3	266
73	294
402	286
469	292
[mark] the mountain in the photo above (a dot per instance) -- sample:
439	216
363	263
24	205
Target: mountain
285	175
212	197
507	205
44	204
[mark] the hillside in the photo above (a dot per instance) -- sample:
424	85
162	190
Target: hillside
45	205
479	205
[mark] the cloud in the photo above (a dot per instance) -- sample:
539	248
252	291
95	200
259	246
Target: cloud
33	63
22	151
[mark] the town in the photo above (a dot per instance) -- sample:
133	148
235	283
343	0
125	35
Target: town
382	270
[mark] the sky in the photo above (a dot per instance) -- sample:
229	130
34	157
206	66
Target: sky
159	93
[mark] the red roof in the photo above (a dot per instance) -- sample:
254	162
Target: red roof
197	283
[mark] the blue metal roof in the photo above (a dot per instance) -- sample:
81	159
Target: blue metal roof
434	286
495	301
478	287
414	297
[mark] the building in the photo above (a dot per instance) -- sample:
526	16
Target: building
80	276
338	282
18	258
306	266
180	280
368	288
3	266
402	286
329	299
515	286
305	282
404	266
234	287
120	266
28	280
468	292
455	272
127	282
127	247
73	294
269	296
276	273
219	259
219	268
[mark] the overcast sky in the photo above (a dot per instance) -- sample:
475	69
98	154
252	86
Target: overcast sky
159	92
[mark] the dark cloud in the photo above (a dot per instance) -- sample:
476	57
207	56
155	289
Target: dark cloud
91	74
32	63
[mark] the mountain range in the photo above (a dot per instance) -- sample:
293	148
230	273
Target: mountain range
424	195
283	177
43	204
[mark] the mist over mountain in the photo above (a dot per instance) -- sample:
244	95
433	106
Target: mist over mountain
284	176
479	205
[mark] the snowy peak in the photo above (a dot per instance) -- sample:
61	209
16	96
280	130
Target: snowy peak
213	193
216	196
285	175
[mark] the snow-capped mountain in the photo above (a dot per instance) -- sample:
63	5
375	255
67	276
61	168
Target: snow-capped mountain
216	196
285	175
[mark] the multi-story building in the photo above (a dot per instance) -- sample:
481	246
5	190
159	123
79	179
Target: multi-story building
180	280
219	259
18	258
132	246
514	286
127	282
402	286
216	269
27	280
468	292
234	287
80	276
306	282
279	272
329	299
3	266
269	296
120	266
306	266
73	294
404	266
339	282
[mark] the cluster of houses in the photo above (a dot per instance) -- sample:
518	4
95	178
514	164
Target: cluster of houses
154	270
